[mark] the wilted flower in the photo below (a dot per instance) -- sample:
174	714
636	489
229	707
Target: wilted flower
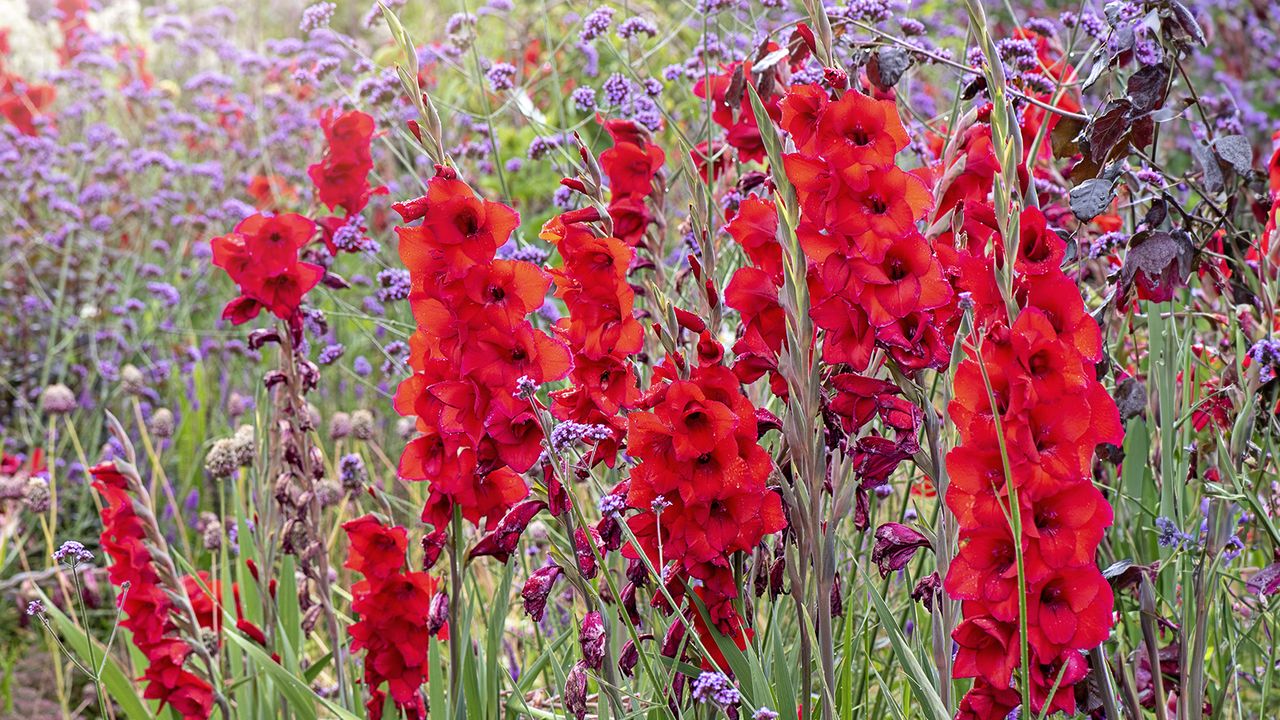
537	588
628	658
439	613
895	545
591	636
501	541
575	691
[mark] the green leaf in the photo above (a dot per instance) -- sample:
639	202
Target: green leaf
493	642
783	683
917	676
772	147
439	704
301	698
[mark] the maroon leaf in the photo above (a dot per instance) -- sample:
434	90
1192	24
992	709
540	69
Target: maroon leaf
1148	88
1108	129
1158	263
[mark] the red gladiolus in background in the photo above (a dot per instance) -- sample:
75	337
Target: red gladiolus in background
342	176
731	108
146	608
600	329
874	279
633	166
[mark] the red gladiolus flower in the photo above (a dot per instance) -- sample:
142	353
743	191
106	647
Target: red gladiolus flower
1036	375
755	228
1072	611
393	606
988	649
376	551
342	176
21	102
802	109
459	230
700	485
907	278
261	256
472	349
860	130
987	702
631	165
147	606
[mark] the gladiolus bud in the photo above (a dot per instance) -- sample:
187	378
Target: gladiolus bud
438	615
629	658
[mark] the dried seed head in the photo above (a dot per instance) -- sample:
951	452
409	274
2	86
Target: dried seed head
211	536
161	423
37	494
328	493
57	400
238	405
362	424
209	639
244	446
221	460
132	381
339	426
405	428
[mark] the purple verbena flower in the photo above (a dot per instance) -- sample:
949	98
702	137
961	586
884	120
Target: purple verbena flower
72	553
